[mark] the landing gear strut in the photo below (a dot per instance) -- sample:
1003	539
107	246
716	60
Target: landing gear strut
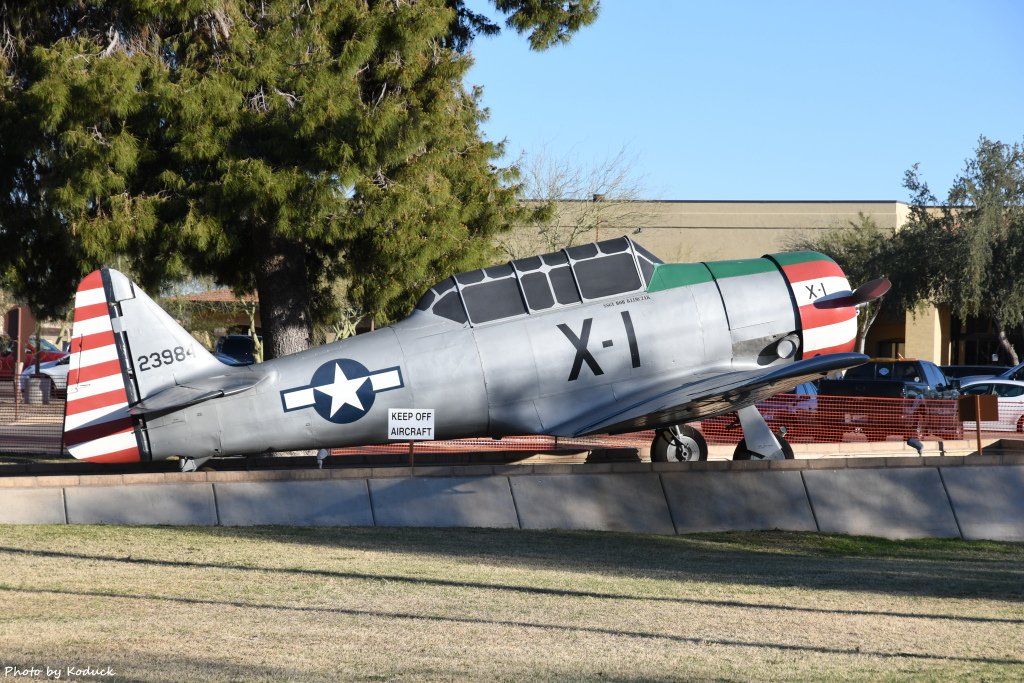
678	443
759	442
191	464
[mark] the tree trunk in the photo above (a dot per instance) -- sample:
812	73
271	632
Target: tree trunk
864	325
251	309
284	296
1004	342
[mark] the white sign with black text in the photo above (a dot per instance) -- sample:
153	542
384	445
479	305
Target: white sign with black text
409	424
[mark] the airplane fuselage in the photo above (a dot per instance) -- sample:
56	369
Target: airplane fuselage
523	376
595	338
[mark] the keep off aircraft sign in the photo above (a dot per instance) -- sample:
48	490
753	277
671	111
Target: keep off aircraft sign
407	424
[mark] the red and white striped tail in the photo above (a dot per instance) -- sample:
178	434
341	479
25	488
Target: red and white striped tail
97	425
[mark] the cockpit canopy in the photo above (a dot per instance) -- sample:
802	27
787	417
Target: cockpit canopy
538	283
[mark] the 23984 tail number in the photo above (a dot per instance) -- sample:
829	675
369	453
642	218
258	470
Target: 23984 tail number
164	357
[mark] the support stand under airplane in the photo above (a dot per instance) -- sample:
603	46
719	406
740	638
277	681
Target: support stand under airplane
598	338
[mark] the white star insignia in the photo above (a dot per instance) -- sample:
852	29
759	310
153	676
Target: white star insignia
343	391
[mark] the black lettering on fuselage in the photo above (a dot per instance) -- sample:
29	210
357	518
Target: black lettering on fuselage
582	352
813	290
634	350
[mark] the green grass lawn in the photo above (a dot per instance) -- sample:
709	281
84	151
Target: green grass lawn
467	604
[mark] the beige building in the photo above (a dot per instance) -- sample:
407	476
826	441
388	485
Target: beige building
685	231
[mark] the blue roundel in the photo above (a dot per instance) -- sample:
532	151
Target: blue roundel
342	391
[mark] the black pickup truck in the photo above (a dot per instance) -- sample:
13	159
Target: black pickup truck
866	385
884	378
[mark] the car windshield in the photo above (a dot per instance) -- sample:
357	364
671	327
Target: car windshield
237	345
42	345
1014	373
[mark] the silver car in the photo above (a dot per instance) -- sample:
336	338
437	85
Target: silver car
1010	395
56	370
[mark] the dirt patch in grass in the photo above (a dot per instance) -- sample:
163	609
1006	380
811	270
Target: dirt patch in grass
429	604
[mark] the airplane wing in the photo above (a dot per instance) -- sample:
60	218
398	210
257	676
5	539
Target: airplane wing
705	395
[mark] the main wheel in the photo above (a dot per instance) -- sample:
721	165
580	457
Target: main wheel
679	444
741	452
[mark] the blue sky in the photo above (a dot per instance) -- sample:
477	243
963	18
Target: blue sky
765	100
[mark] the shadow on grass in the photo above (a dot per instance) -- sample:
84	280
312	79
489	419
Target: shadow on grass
480	585
923	567
574	629
928	568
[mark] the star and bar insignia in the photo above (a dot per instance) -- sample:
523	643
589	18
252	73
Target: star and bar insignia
342	391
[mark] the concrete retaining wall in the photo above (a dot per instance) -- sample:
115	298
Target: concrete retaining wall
178	504
919	498
738	501
302	503
605	502
988	501
893	503
32	506
443	501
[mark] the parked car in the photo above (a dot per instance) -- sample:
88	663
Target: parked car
1010	394
962	372
1015	374
891	378
47	352
235	349
920	381
56	370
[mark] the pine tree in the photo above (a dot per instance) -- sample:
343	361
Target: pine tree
275	144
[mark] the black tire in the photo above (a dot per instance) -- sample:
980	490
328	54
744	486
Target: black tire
668	447
741	452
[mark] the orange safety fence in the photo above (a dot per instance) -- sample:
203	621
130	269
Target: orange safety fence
35	428
832	419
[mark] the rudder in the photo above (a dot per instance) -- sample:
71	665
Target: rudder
97	425
124	348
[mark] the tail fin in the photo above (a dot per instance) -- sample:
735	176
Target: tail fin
124	348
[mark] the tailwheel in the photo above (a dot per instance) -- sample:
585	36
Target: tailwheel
741	452
678	443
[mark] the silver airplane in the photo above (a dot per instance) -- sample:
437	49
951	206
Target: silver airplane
597	338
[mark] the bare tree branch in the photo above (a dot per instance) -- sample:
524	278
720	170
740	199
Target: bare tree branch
605	195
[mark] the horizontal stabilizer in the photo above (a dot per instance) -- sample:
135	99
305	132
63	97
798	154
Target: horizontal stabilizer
196	391
700	396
